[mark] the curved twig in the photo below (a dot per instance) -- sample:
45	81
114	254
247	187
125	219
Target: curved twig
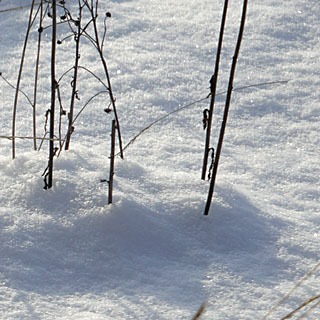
13	87
94	15
19	80
78	115
195	102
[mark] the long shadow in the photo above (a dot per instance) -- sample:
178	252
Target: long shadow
128	251
244	238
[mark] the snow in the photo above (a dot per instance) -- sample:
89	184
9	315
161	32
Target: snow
66	254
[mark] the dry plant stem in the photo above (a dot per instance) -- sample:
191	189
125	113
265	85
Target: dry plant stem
18	82
288	316
62	112
17	8
193	103
304	278
111	172
27	138
226	109
160	119
36	79
199	312
78	115
75	78
309	310
53	93
13	87
86	69
98	46
213	88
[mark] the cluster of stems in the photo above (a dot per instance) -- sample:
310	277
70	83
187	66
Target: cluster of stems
78	29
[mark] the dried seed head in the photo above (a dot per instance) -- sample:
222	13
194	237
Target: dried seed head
59	42
108	14
40	29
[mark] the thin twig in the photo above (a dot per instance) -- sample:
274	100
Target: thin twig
13	87
286	296
36	79
19	80
78	115
300	307
28	138
94	15
17	8
309	310
75	78
200	312
213	88
94	75
62	113
195	102
160	119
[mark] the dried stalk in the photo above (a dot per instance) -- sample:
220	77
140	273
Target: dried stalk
213	88
288	316
226	109
111	172
36	79
19	80
53	95
94	14
75	78
195	102
286	296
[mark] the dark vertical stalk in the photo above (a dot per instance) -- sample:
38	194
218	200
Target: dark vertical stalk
213	88
111	172
18	82
75	78
61	114
105	67
53	92
226	109
36	80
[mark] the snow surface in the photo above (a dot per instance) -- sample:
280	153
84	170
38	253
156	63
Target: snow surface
152	254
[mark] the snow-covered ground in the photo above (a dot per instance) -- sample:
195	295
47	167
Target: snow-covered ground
66	254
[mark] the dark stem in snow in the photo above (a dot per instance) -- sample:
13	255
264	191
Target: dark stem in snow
18	82
213	88
75	78
52	150
35	91
93	10
226	109
111	172
200	312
